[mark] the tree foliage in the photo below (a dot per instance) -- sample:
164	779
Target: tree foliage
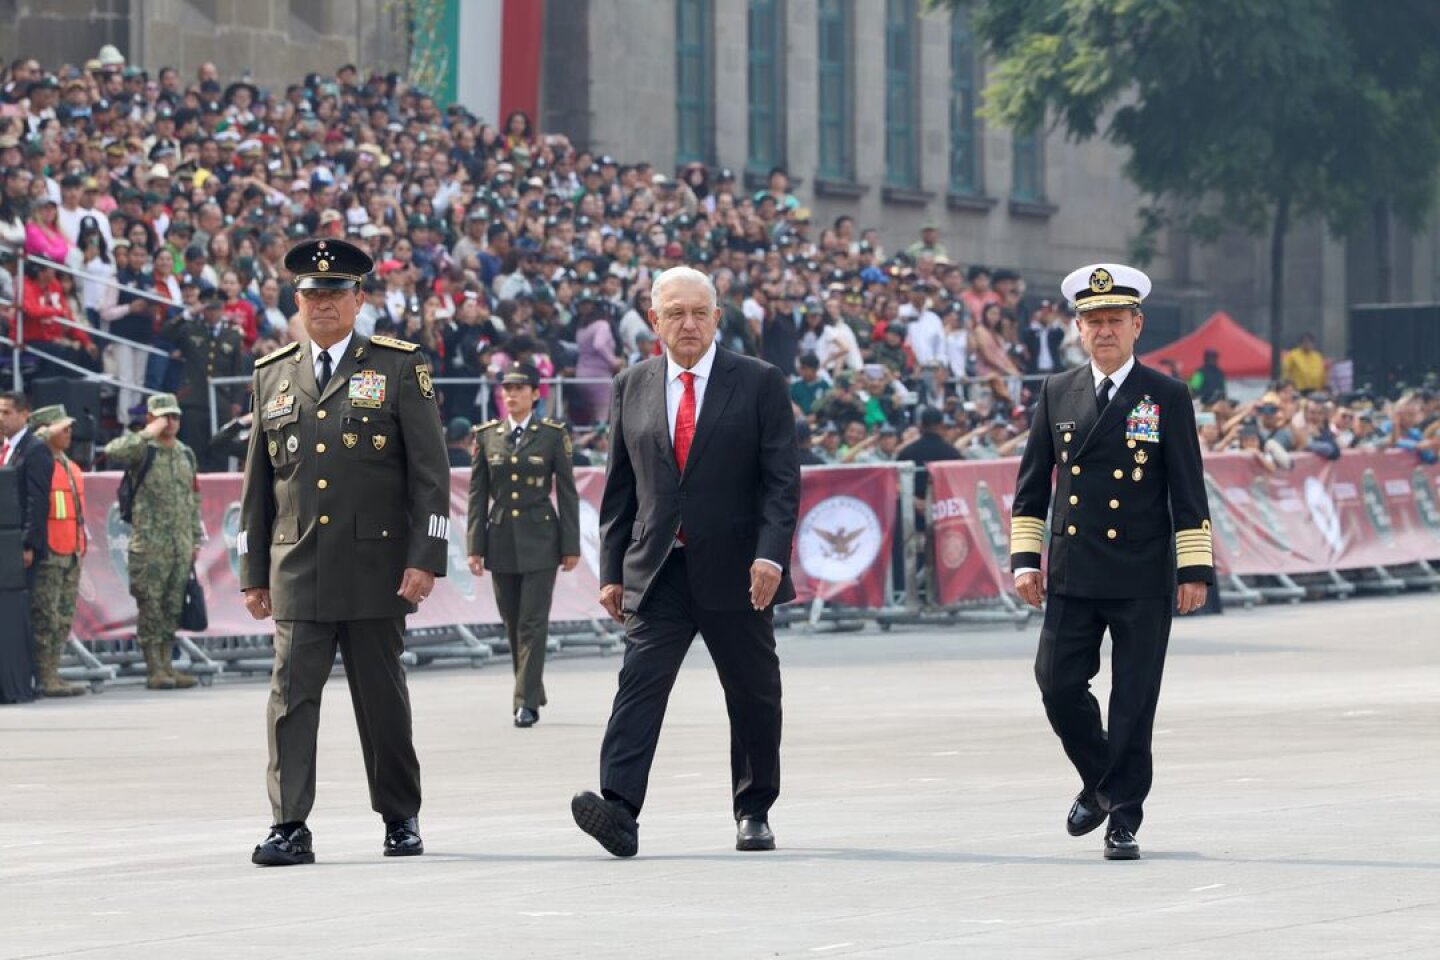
1233	113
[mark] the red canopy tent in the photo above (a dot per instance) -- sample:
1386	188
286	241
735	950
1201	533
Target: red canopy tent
1242	354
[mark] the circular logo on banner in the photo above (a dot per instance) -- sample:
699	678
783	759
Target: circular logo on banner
230	529
117	538
838	539
590	536
954	548
1323	512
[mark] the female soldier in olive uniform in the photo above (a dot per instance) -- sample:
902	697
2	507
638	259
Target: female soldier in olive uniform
513	530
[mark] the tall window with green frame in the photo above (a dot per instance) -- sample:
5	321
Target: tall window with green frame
835	55
765	47
693	122
901	160
1027	180
964	141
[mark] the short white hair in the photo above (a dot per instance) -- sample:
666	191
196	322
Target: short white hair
681	273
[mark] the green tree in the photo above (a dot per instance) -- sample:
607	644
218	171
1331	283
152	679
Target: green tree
1247	114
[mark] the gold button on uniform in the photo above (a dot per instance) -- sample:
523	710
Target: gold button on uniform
320	415
1112	534
324	518
322	483
1114	504
1070	529
1075	470
319	448
384	533
1067	438
1119	474
514	476
1130	444
514	494
1074	499
514	513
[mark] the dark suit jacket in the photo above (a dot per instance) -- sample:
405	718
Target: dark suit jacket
37	466
737	499
1054	336
1130	516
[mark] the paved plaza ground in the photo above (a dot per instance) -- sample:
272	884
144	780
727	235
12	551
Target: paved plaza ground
1296	812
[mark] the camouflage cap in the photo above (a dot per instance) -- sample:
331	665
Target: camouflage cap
162	404
50	418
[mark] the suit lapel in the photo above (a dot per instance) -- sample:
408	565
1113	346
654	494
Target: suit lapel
658	404
345	366
717	395
304	378
1082	405
1120	405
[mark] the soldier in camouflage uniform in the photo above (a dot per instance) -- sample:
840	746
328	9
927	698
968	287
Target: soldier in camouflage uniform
165	535
516	533
52	600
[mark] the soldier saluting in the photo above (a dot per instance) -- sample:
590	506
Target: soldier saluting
516	533
1129	545
344	524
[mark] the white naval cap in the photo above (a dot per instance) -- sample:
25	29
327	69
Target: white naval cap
1105	285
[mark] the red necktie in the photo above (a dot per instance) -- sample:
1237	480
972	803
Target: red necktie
4	452
685	421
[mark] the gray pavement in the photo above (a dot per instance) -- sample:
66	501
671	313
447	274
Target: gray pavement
1294	813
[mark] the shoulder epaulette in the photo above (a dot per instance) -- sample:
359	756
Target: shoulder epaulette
393	344
552	423
486	426
283	351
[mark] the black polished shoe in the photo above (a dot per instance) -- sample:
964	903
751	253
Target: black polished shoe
753	833
1085	815
288	845
525	717
402	838
606	821
1120	844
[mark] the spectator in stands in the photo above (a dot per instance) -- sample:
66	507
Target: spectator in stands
48	320
841	404
1044	334
829	449
978	295
808	388
1304	366
804	441
929	244
1407	431
459	442
992	361
43	236
925	332
1208	382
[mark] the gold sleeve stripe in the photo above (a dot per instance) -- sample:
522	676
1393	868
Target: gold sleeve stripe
1195	558
1193	533
1027	535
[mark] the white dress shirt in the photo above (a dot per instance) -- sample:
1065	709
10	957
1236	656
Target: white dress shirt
675	392
1097	375
511	425
336	351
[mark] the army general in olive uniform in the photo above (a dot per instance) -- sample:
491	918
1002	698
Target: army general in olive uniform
344	523
516	533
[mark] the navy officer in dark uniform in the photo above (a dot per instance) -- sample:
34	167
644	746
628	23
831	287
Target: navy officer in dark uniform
1129	545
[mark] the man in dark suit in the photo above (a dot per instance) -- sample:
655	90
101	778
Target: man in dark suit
697	520
30	455
1129	523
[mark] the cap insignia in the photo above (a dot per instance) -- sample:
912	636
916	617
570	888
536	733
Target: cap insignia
1101	281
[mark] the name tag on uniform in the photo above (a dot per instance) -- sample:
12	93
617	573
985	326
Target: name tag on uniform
1065	425
279	406
367	389
1143	423
498	459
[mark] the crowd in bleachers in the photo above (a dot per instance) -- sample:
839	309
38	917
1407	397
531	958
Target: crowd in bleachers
496	243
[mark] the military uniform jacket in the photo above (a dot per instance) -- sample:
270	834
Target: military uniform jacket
1130	517
204	354
512	523
345	489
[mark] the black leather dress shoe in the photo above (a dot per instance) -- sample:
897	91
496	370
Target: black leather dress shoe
525	717
1120	844
287	846
402	838
752	833
606	821
1085	815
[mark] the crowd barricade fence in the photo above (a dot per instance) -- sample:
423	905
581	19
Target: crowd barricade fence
1368	522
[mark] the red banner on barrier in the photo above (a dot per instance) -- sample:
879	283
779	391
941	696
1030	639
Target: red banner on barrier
847	521
1366	509
845	534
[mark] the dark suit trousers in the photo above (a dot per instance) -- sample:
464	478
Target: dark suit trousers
304	656
742	644
1116	767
